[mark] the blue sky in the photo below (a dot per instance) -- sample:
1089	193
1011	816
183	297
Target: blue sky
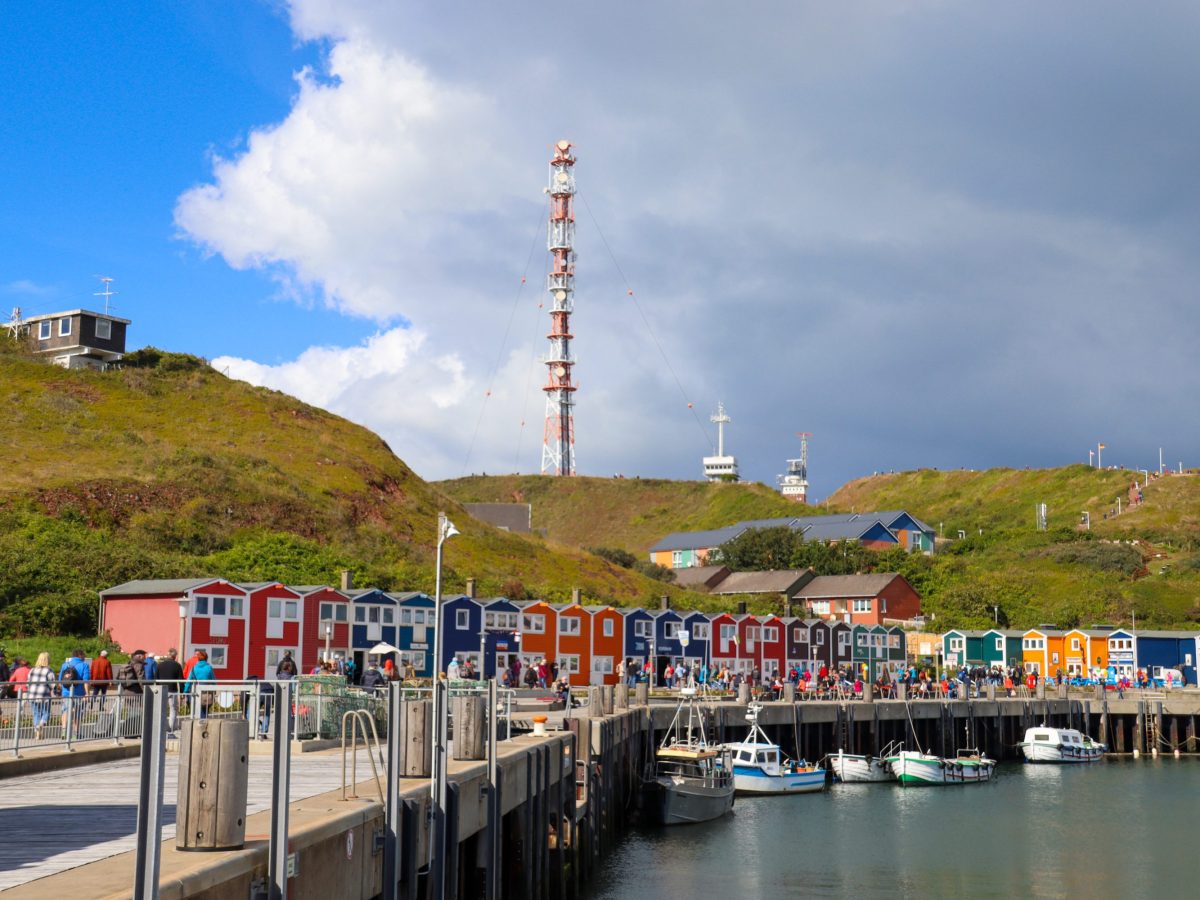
933	234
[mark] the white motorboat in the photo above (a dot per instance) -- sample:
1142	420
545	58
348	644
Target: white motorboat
685	783
913	767
1060	745
853	768
759	766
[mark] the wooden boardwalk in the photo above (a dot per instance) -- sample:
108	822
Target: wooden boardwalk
55	821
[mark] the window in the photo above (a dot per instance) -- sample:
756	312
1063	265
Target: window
753	632
569	625
416	657
1054	657
671	630
44	330
235	606
1121	643
1075	644
957	645
999	645
862	639
216	656
700	631
770	633
820	636
104	328
218	606
843	639
462	619
820	607
64	329
643	628
862	606
291	610
389	616
360	615
602	665
533	623
798	635
339	612
1033	643
894	641
610	628
676	559
728	632
568	664
373	615
326	612
275	656
406	617
500	620
201	605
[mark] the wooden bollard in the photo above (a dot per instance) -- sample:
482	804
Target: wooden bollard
620	697
470	730
991	692
789	692
210	807
641	693
1062	691
595	701
743	694
606	698
901	690
416	754
869	693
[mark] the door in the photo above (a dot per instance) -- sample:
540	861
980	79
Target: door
374	630
274	618
601	666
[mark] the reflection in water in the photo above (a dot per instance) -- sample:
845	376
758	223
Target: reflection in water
1116	828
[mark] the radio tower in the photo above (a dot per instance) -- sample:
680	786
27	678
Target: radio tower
794	485
558	443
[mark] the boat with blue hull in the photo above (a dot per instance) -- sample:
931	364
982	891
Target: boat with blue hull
759	766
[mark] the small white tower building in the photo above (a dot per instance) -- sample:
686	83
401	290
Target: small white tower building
721	467
794	485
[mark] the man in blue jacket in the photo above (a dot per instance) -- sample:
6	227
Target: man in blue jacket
73	677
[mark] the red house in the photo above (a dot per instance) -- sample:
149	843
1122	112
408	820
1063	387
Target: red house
276	620
324	609
725	649
860	599
749	629
574	644
539	632
773	654
186	613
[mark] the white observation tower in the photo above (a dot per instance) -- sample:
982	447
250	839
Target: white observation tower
721	467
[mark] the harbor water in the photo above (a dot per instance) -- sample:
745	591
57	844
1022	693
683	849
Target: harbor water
1117	828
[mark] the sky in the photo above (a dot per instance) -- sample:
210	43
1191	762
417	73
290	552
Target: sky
932	234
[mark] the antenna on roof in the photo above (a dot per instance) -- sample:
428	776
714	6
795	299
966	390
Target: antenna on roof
107	293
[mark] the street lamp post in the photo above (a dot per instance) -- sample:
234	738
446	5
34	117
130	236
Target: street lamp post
446	530
328	637
183	615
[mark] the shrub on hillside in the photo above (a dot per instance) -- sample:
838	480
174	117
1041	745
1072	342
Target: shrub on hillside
163	360
616	556
654	570
1104	557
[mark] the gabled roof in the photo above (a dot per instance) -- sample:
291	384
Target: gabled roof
965	633
360	593
780	581
892	516
157	586
842	530
700	576
846	586
1005	632
1175	635
697	540
307	589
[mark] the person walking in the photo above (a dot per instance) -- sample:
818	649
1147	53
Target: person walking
40	688
102	676
170	674
202	671
73	678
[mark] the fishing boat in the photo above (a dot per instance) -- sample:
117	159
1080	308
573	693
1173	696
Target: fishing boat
913	767
759	766
1060	745
852	768
685	784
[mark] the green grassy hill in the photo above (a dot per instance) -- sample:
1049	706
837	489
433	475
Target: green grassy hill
177	471
626	513
1145	559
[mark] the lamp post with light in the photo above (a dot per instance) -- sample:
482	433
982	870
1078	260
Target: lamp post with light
183	617
328	637
446	530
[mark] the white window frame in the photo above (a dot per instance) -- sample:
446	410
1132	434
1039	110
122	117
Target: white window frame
568	664
200	605
388	616
1075	645
214	652
218	622
462	619
671	630
610	628
843	639
1033	643
602	665
799	634
958	645
862	639
821	636
406	616
894	641
1000	644
728	632
643	628
64	326
104	329
416	657
360	615
820	607
570	626
770	634
862	606
676	559
533	623
45	330
753	633
291	610
701	631
279	652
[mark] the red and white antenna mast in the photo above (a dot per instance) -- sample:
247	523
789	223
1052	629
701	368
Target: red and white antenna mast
558	443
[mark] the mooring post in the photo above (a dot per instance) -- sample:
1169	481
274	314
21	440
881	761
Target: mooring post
641	694
469	731
606	699
416	753
743	694
150	792
789	692
620	697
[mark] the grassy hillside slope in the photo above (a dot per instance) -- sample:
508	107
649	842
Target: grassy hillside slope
178	471
1145	559
626	513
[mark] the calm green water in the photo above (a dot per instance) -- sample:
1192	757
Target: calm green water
1113	829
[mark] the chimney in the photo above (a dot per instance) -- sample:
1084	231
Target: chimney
577	596
741	607
347	580
471	588
665	602
787	607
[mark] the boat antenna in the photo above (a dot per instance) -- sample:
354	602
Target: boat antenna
912	725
